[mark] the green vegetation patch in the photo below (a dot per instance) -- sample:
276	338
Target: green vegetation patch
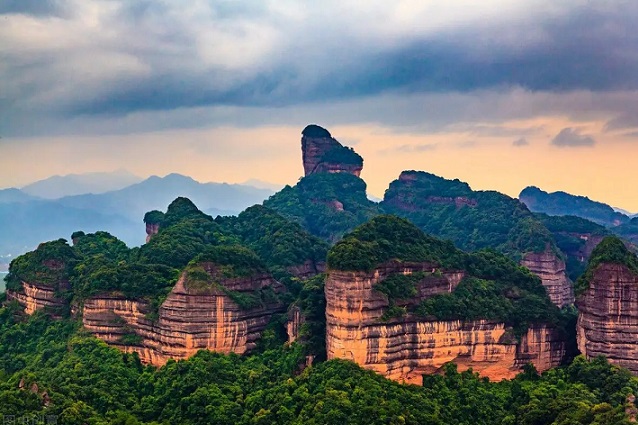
386	238
50	264
315	131
88	382
339	154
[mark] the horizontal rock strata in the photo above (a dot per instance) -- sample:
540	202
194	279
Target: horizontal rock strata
608	316
551	270
404	348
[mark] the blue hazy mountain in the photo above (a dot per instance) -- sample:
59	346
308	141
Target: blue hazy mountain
55	187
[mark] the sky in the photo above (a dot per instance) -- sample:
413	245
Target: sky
501	94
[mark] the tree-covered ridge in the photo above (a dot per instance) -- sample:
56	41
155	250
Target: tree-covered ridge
339	154
280	243
473	220
83	381
386	238
326	204
49	264
612	250
562	203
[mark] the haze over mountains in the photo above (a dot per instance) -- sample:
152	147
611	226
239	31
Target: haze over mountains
26	220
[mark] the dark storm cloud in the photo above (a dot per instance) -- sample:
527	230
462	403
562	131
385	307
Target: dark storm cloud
569	137
156	57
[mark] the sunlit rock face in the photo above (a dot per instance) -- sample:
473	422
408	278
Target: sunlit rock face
187	321
321	153
608	316
37	296
406	347
551	269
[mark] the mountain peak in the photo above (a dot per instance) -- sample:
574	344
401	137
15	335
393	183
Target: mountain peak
321	153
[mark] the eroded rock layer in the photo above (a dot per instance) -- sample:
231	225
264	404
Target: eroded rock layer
404	348
36	296
188	321
608	316
551	270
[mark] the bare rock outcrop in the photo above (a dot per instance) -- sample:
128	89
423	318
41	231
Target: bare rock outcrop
37	296
551	269
321	153
608	316
403	348
189	320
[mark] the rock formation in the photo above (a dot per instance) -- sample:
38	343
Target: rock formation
551	270
37	296
188	320
151	229
322	153
608	316
406	347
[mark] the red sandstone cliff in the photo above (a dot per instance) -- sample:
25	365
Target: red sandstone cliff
608	316
551	269
321	153
406	347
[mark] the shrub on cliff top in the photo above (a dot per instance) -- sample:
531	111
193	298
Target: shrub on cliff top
154	217
314	130
386	238
49	264
610	250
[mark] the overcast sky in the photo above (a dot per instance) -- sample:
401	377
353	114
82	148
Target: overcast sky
501	94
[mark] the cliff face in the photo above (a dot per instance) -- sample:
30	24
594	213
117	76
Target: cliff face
551	270
406	347
35	296
188	321
321	153
608	316
151	229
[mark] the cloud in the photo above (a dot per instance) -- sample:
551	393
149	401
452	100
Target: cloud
520	142
466	144
412	148
120	58
569	137
624	121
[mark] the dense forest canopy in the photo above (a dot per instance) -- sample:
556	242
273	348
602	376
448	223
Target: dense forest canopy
473	220
52	368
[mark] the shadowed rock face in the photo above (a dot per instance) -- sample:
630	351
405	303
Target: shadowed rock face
608	316
404	348
321	153
551	270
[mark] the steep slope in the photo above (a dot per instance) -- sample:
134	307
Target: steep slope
321	153
331	199
608	305
402	303
11	195
476	220
576	237
562	203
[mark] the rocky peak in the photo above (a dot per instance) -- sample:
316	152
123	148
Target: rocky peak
321	153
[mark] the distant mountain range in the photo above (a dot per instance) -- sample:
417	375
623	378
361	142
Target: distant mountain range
562	203
56	187
26	220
